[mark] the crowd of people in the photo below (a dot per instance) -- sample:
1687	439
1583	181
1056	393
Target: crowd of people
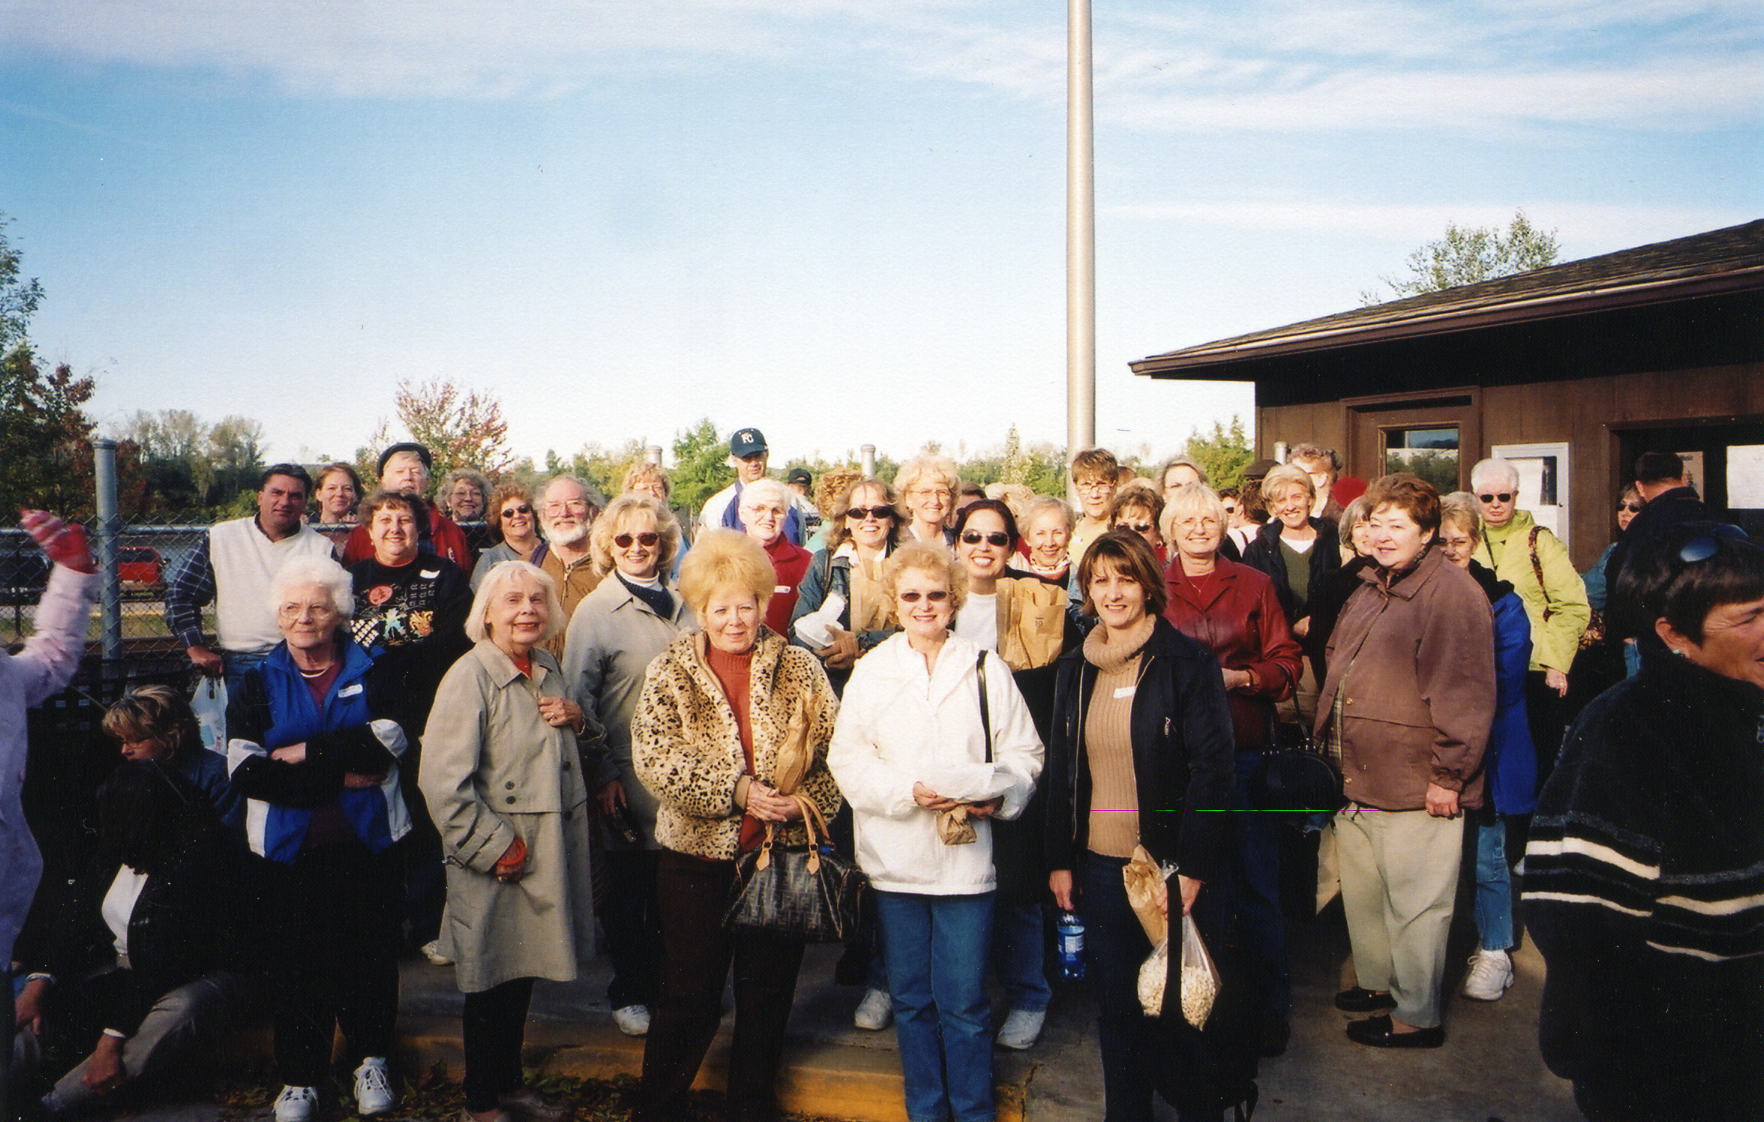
501	725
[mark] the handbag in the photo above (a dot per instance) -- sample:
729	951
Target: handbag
1296	777
803	892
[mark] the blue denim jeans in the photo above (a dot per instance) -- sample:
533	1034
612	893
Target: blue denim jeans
1494	885
935	948
1258	875
1017	955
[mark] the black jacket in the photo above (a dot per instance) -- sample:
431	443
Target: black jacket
1325	557
1662	512
1183	756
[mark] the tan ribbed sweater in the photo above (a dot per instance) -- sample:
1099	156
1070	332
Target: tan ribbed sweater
1108	743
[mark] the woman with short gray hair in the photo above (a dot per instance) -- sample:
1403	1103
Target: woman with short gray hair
927	487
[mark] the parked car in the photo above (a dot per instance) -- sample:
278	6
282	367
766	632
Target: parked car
23	572
139	564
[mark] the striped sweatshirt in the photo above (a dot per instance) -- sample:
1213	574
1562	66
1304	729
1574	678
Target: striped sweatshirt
1644	889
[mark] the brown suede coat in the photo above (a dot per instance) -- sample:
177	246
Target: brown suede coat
1413	664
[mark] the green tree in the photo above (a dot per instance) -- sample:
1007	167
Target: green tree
1466	255
700	465
1224	452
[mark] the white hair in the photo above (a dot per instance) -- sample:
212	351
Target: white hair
1193	499
1494	470
505	573
764	491
322	571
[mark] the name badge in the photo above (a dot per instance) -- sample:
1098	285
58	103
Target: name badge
781	590
430	574
349	691
1124	691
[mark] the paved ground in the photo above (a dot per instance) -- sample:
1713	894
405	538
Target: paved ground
1489	1068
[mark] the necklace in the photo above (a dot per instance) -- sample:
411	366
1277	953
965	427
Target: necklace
318	673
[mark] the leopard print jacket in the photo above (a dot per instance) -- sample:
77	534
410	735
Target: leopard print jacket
687	748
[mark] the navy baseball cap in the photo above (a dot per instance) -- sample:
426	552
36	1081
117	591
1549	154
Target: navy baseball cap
746	442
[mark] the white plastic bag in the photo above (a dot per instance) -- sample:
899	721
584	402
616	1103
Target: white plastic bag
1200	978
209	701
1154	975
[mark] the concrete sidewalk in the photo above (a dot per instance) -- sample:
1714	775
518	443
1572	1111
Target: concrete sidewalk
1488	1069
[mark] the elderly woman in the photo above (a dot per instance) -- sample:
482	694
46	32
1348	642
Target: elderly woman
927	488
1178	472
863	528
1232	611
1141	747
314	738
765	505
1025	621
1407	708
731	728
514	528
611	639
1536	563
1296	550
1642	873
154	723
1511	762
1047	531
499	774
337	489
933	739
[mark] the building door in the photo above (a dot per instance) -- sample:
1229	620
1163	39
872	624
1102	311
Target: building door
1544	473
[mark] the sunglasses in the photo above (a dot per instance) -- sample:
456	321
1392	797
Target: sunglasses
646	539
1704	546
1136	527
862	512
1633	508
996	537
1504	496
511	511
935	596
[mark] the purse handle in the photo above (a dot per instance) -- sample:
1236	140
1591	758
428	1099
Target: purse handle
985	708
812	820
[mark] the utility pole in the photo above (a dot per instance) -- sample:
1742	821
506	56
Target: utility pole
1080	237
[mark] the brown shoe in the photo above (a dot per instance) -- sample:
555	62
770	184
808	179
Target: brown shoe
528	1104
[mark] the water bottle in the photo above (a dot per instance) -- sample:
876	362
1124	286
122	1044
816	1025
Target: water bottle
1069	941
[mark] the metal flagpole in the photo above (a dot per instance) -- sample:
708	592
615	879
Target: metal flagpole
1080	237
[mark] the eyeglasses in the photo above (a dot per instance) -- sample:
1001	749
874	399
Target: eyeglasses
935	596
931	492
1136	527
1091	486
646	539
996	537
567	504
1230	509
1633	508
1704	546
862	512
1503	497
511	511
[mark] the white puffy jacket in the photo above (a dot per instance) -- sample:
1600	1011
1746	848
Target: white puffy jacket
899	725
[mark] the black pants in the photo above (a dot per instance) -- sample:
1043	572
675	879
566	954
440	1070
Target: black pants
333	946
633	926
696	953
1547	714
493	1028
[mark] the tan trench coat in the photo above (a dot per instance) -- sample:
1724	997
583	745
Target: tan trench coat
493	770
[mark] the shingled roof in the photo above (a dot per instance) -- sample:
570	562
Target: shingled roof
1714	263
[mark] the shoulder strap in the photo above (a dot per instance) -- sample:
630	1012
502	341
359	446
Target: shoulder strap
985	707
1537	568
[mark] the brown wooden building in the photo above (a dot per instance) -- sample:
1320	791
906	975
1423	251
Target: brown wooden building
1570	371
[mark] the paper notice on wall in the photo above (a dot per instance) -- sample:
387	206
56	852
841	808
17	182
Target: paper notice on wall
1745	476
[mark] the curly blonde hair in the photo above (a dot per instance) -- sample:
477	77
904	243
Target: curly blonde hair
606	527
725	557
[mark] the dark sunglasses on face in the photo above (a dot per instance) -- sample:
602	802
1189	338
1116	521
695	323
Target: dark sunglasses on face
1136	527
995	537
1633	508
510	512
1504	496
935	596
646	538
862	512
1704	546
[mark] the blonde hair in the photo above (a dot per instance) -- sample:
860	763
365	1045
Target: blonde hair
921	466
927	558
1017	496
725	557
1287	475
833	487
1189	499
606	527
1459	508
642	472
154	712
477	627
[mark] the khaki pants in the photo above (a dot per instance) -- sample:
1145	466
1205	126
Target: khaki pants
1399	877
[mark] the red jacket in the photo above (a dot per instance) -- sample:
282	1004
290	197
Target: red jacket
1242	624
791	563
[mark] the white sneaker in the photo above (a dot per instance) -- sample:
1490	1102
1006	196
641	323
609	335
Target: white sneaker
296	1104
1491	972
1021	1029
875	1012
431	950
633	1020
373	1088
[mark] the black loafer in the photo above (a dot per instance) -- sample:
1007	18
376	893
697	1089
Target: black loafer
1376	1032
1359	1000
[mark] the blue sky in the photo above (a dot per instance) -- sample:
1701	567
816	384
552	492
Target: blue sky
841	221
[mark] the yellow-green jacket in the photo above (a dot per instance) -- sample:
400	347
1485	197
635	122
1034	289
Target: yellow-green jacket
1561	596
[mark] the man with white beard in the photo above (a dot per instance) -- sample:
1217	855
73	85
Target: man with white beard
566	511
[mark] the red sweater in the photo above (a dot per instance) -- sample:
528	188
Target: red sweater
791	563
